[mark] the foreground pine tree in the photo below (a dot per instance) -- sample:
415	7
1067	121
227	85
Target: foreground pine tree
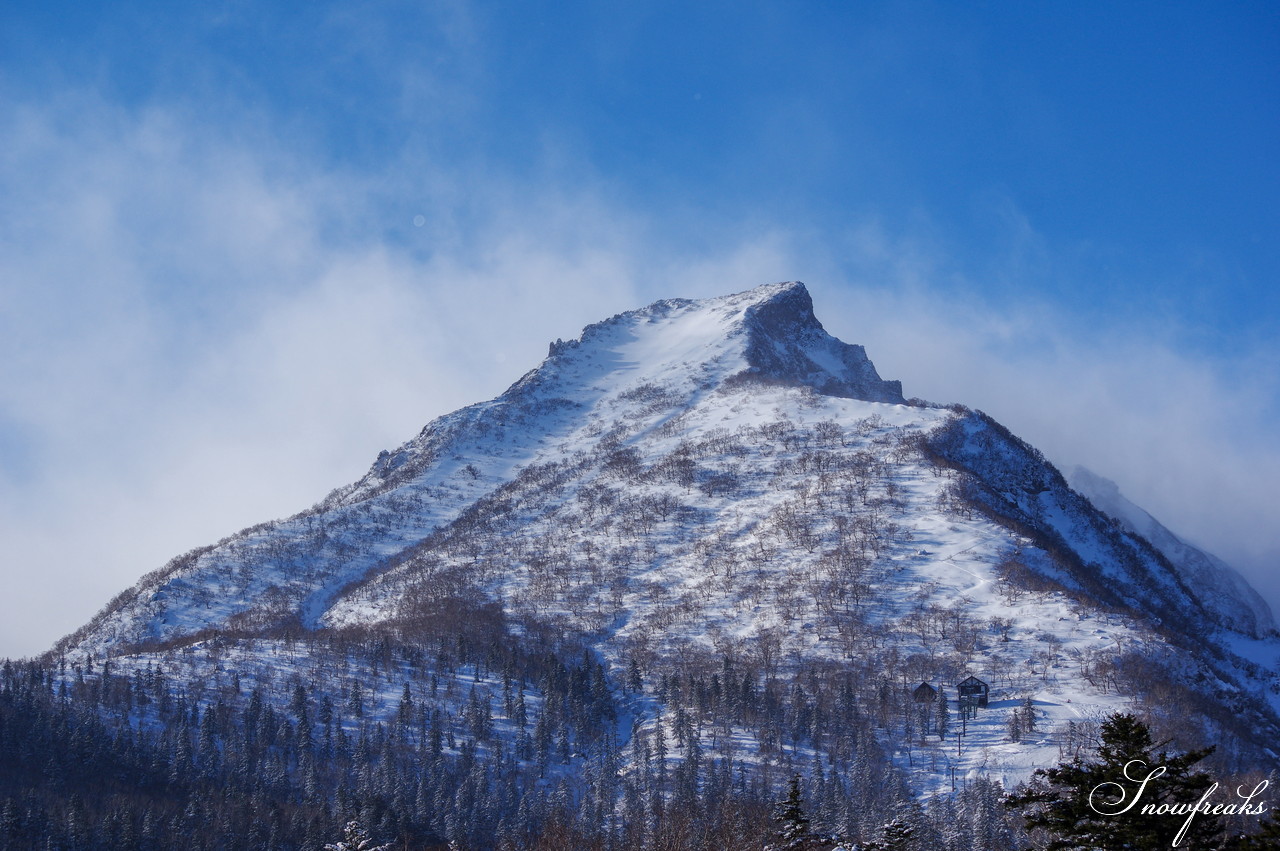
1092	804
897	835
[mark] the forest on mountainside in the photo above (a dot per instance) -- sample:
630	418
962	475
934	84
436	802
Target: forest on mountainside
492	744
503	736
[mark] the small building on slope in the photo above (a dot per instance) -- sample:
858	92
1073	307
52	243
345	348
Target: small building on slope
973	690
924	693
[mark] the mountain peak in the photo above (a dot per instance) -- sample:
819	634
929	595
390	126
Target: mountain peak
790	294
691	487
768	334
788	345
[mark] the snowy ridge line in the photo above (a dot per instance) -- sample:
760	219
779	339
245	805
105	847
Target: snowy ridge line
1235	604
1110	564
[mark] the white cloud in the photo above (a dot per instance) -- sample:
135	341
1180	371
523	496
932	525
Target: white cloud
188	350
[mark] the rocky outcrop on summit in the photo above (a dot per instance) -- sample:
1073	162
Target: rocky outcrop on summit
787	344
767	334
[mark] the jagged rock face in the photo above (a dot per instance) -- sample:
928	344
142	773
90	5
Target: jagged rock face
767	335
787	344
1011	481
772	330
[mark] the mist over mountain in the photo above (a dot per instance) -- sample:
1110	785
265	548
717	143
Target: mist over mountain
697	551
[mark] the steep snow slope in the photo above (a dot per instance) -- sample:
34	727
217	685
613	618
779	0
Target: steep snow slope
1014	484
1224	592
724	532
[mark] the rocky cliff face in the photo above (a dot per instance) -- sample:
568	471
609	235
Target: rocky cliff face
786	343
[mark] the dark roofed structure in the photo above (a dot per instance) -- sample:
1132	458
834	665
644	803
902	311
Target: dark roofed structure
924	693
973	689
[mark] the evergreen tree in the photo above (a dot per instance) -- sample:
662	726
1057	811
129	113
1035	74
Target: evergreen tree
793	824
1099	805
1013	724
895	836
1029	715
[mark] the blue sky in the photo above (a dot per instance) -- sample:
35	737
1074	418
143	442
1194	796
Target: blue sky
245	246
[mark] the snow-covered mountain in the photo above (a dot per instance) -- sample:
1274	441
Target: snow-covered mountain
669	356
719	494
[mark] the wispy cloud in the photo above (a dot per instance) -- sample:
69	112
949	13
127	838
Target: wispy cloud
194	340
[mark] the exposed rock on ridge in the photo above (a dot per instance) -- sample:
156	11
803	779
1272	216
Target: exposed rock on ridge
787	343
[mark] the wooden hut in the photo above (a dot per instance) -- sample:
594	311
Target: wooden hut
973	690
